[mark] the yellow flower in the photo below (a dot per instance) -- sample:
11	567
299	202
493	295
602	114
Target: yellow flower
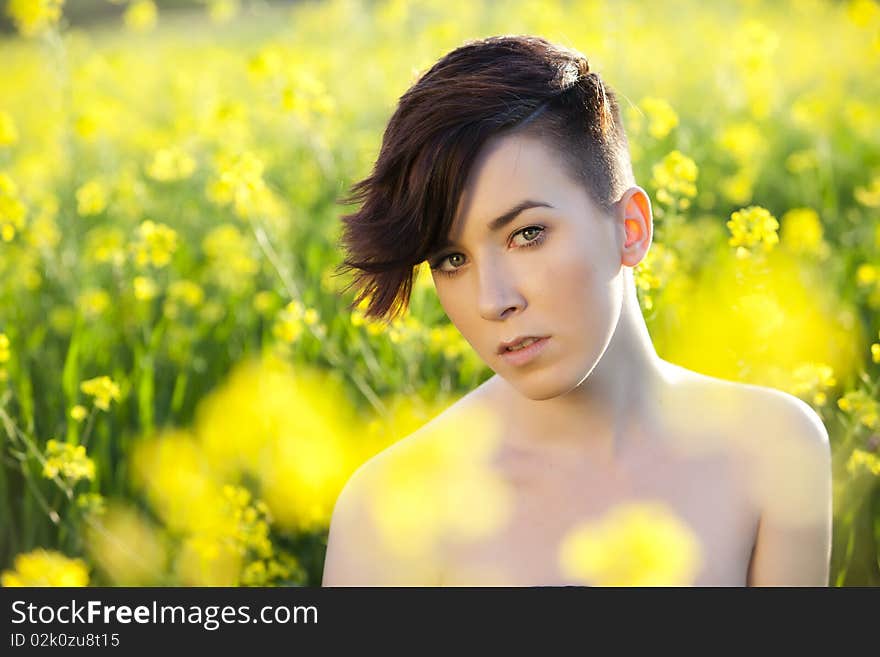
141	16
91	198
861	460
155	244
187	292
12	210
661	117
289	325
33	17
103	389
753	226
867	274
265	302
70	461
171	164
637	544
754	45
875	352
869	195
311	317
41	567
8	132
743	141
674	176
802	231
223	11
863	12
652	273
145	288
105	244
813	380
738	187
4	348
861	406
93	302
231	262
241	183
91	504
800	161
79	413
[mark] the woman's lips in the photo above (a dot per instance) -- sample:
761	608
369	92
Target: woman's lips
527	354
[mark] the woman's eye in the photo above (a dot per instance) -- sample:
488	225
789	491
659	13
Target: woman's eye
531	230
532	236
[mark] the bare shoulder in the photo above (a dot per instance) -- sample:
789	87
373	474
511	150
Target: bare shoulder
781	440
756	416
786	450
382	530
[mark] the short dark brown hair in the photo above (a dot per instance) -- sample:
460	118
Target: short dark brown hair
483	88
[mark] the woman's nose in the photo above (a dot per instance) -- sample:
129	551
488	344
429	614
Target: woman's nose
498	294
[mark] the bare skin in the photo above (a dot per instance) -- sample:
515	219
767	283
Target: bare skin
596	420
553	492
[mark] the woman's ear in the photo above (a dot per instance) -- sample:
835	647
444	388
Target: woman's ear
635	208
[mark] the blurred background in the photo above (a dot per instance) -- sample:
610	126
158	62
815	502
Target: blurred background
183	391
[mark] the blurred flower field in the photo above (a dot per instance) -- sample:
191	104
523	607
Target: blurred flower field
183	391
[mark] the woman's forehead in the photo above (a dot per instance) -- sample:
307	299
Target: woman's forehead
509	172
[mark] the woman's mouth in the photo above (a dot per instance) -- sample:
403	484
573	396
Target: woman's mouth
525	351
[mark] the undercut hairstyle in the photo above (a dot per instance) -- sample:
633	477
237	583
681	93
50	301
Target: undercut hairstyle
485	88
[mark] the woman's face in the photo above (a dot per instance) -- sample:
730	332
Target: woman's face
553	270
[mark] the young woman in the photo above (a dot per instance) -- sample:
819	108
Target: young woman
586	458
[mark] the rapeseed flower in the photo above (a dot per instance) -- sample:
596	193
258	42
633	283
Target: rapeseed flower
661	117
869	195
145	288
155	244
105	244
141	16
91	198
8	131
93	302
675	177
70	461
803	160
183	293
755	45
223	11
637	544
33	17
240	183
170	164
231	261
863	13
863	461
283	568
289	326
652	273
861	406
813	380
91	504
103	389
744	141
42	567
802	232
404	329
752	226
12	210
126	546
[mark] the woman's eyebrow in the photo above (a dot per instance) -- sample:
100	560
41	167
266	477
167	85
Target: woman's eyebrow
501	221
